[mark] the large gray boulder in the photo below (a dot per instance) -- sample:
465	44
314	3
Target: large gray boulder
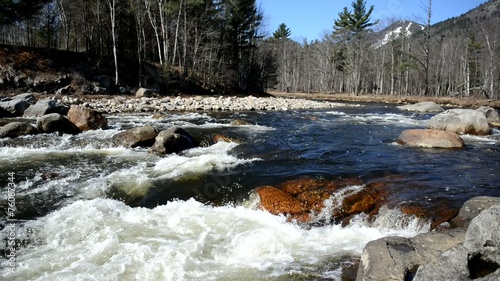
490	113
16	105
430	139
472	208
426	106
461	121
173	140
16	129
46	106
463	253
56	122
87	119
140	136
397	258
477	258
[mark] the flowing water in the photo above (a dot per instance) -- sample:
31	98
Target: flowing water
87	210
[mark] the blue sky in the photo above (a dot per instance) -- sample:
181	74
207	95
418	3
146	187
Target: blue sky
310	19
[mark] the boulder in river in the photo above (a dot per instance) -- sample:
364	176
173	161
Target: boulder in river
430	139
140	136
45	106
305	199
461	121
15	106
87	119
426	106
56	122
478	257
490	113
173	140
16	129
463	253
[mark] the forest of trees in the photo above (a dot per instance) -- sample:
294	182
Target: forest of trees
221	42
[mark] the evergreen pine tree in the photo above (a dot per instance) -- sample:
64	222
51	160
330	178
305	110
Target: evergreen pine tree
357	20
283	32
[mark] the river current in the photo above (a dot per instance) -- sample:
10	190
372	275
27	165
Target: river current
88	210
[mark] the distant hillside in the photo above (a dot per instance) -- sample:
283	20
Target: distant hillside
485	15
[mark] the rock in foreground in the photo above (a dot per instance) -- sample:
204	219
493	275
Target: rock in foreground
55	122
430	139
16	129
464	253
173	140
86	119
140	136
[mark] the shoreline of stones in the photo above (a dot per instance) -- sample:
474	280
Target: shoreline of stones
122	104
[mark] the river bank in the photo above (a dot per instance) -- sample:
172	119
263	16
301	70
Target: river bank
392	99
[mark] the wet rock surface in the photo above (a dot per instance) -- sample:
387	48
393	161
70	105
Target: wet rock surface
16	129
86	119
140	136
469	252
56	122
173	140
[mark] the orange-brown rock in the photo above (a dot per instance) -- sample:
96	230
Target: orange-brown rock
277	201
300	198
368	201
86	118
297	186
313	199
438	213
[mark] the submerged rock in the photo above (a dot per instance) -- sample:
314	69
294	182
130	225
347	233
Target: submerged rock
461	121
426	106
87	119
140	136
55	122
173	140
240	122
16	129
430	139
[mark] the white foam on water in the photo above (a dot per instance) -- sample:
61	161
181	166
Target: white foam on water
386	119
12	154
337	113
200	160
472	139
104	239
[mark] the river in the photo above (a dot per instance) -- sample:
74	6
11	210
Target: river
87	210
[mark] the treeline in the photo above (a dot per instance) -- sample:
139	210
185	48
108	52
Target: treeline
449	59
214	40
220	42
